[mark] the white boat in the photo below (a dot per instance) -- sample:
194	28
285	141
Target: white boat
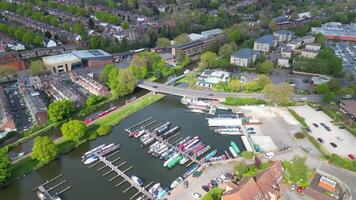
230	133
90	160
137	180
154	188
183	161
176	182
88	153
170	159
232	151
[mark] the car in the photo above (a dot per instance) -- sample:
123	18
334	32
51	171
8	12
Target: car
185	184
269	155
219	180
210	185
214	183
250	129
299	189
196	195
333	144
230	176
223	178
327	128
251	132
322	124
318	109
205	188
341	127
306	81
210	95
315	125
352	157
155	86
308	130
285	147
321	140
293	186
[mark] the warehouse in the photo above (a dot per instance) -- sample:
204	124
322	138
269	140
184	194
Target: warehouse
93	57
62	62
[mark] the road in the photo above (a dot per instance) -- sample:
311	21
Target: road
178	91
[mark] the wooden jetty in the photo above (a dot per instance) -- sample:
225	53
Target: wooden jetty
44	190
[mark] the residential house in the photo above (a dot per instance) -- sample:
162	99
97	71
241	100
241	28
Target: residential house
265	43
283	62
283	35
244	57
211	77
308	39
313	46
307	53
286	52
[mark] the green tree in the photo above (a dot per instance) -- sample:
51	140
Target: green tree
320	39
264	80
38	40
125	25
266	67
126	83
66	26
163	42
227	49
59	110
103	130
104	74
44	149
28	37
213	194
93	99
73	130
78	28
181	39
5	165
112	80
240	169
279	94
37	68
207	60
234	85
296	171
138	72
247	154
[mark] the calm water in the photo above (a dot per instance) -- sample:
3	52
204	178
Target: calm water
91	185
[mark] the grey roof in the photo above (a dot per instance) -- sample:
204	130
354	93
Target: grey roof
284	32
92	53
266	39
244	53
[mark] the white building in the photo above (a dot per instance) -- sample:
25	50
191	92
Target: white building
244	57
313	46
16	47
283	35
283	62
306	53
211	77
265	43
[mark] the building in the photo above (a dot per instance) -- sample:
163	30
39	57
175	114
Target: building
90	84
327	184
286	52
264	186
306	53
36	106
211	77
7	122
349	107
337	31
93	57
60	91
244	57
294	44
318	80
62	62
265	43
313	46
307	39
283	62
283	35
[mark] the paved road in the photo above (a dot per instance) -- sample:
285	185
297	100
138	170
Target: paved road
166	89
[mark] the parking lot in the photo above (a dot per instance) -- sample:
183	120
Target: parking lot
343	140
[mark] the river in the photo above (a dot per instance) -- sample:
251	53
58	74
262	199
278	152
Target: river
87	183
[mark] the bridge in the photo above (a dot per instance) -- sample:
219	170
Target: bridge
206	94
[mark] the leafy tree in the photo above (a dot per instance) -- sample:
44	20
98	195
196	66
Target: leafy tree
138	72
59	110
264	80
296	171
125	25
73	130
234	85
207	60
320	39
38	40
91	23
240	169
266	67
66	26
5	165
334	85
94	42
78	28
112	80
181	39
227	49
103	130
37	68
93	99
28	37
213	194
44	149
247	154
279	94
126	83
104	74
163	42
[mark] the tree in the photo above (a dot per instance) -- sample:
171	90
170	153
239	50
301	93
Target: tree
181	39
93	99
320	39
264	80
78	28
247	154
138	72
227	49
125	25
279	94
207	60
59	110
334	85
73	130
44	149
38	40
28	37
103	130
37	68
104	74
163	42
126	83
266	67
240	169
296	171
91	23
234	85
5	165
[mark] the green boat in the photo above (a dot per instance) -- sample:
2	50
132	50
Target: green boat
174	162
234	146
257	147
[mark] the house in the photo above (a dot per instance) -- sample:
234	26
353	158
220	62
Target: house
244	57
283	35
265	43
308	39
89	84
283	62
294	44
304	16
211	77
93	57
349	107
313	46
307	53
49	43
286	52
263	186
7	122
16	47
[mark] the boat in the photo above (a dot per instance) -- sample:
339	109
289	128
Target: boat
198	148
90	160
227	129
183	161
174	162
108	149
169	155
230	133
130	100
183	141
148	141
188	150
171	159
139	133
161	129
173	130
188	144
106	112
197	111
162	193
210	155
218	158
232	152
176	182
154	188
190	170
234	146
137	180
160	152
90	152
201	152
166	153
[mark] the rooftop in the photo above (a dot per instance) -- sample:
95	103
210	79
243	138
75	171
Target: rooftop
67	57
349	106
212	32
93	53
244	53
283	32
266	39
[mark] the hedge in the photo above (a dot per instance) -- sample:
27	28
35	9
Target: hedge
231	101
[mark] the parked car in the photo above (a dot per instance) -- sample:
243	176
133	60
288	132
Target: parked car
219	180
223	178
352	157
327	128
214	183
320	140
293	186
333	144
196	195
315	125
185	184
205	188
308	130
230	176
269	155
299	189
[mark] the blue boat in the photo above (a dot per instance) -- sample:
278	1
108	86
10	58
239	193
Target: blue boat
210	155
191	169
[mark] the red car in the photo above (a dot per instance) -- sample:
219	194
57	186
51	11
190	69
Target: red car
299	189
352	157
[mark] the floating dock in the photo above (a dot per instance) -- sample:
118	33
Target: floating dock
44	190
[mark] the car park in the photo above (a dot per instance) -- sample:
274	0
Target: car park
333	144
196	195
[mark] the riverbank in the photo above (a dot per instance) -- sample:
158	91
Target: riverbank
26	165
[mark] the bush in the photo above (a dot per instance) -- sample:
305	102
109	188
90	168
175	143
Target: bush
103	130
247	154
94	99
213	194
342	162
92	135
300	119
231	101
